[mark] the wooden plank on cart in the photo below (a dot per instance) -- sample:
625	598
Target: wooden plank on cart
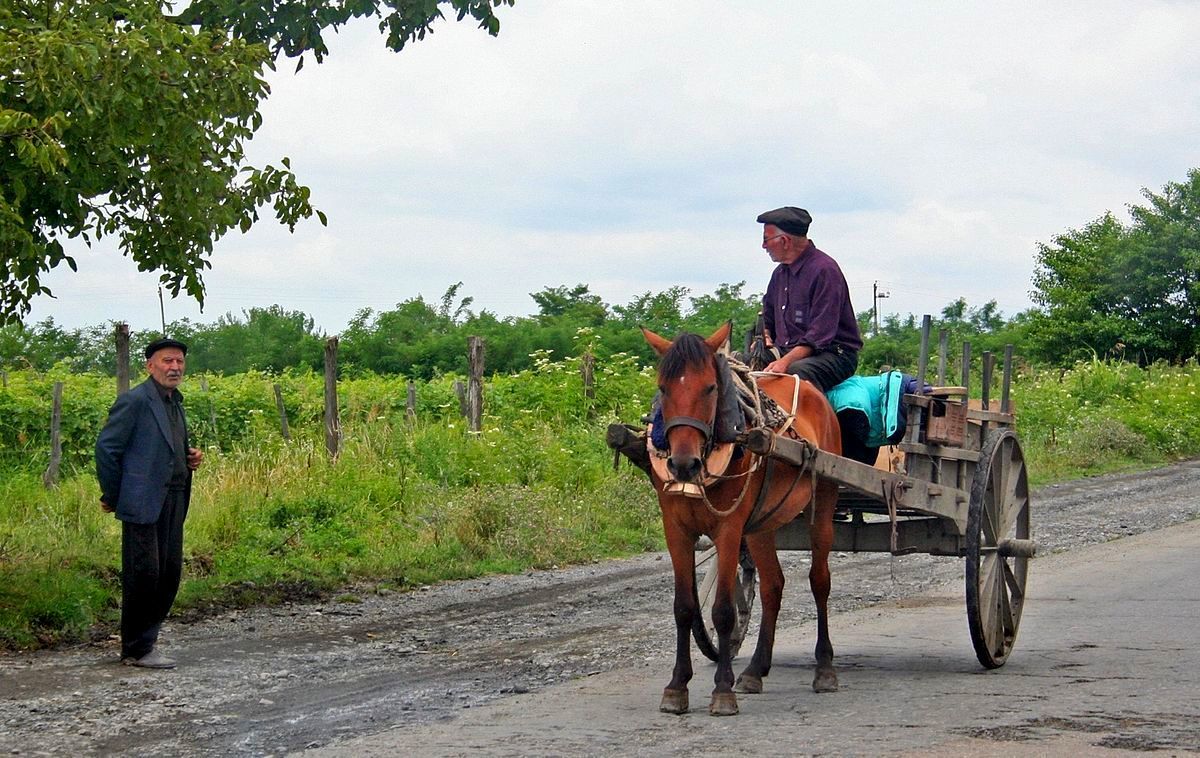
905	492
913	535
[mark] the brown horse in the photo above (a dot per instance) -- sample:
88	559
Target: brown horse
746	503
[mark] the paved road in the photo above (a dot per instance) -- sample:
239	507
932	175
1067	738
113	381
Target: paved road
1106	663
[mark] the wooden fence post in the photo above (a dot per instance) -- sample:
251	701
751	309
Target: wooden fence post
122	337
212	410
460	391
943	349
475	384
50	477
333	427
587	367
283	422
410	402
4	378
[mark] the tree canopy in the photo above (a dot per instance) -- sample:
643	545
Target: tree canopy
117	119
1112	289
422	338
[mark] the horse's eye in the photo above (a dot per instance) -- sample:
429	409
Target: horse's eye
710	389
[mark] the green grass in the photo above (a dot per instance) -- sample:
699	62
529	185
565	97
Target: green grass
399	506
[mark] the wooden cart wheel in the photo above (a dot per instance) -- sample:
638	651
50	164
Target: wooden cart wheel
703	630
998	546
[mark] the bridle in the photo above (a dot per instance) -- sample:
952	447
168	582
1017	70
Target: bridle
757	516
705	429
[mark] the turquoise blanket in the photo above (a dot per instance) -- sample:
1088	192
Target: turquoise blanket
878	397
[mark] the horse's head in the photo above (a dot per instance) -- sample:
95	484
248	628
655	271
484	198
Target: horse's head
687	381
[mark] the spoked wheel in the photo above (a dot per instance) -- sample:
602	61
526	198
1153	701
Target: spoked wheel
743	601
998	547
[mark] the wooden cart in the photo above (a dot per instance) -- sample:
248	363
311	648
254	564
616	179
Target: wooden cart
961	489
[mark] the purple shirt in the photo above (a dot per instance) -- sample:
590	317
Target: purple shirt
808	303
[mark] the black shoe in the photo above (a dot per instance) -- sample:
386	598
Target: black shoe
151	660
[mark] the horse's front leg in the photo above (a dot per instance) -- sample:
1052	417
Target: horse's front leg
724	702
683	560
825	678
770	591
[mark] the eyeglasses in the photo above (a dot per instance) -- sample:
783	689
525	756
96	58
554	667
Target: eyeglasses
772	237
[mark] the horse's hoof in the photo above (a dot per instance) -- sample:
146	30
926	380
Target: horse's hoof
825	681
674	701
723	704
749	684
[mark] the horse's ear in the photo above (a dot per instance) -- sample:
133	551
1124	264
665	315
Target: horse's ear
719	337
659	344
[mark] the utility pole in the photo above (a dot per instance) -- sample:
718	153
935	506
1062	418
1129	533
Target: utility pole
162	312
876	296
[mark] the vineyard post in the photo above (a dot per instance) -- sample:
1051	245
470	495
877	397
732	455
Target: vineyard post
50	477
475	384
410	402
943	348
332	425
4	378
460	391
587	367
122	338
283	422
212	411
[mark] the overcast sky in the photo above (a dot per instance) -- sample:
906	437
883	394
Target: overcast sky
629	145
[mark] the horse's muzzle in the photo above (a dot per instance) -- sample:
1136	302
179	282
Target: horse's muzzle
685	468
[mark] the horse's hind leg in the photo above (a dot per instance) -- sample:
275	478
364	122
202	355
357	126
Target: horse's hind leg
683	560
821	530
770	590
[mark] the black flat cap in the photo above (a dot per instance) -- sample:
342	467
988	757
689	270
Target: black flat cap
787	219
159	344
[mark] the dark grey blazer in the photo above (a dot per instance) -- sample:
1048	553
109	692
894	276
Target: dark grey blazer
133	455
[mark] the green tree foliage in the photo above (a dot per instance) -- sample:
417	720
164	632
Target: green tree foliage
728	303
1075	284
267	339
416	339
294	27
1124	290
37	347
422	339
1165	272
118	120
898	343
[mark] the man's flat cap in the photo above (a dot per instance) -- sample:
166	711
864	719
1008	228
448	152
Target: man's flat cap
159	344
787	219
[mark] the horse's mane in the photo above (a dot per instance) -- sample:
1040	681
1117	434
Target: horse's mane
687	350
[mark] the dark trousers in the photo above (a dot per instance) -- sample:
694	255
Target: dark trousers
826	369
151	566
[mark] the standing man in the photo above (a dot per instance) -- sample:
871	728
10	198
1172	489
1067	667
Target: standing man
145	470
806	309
